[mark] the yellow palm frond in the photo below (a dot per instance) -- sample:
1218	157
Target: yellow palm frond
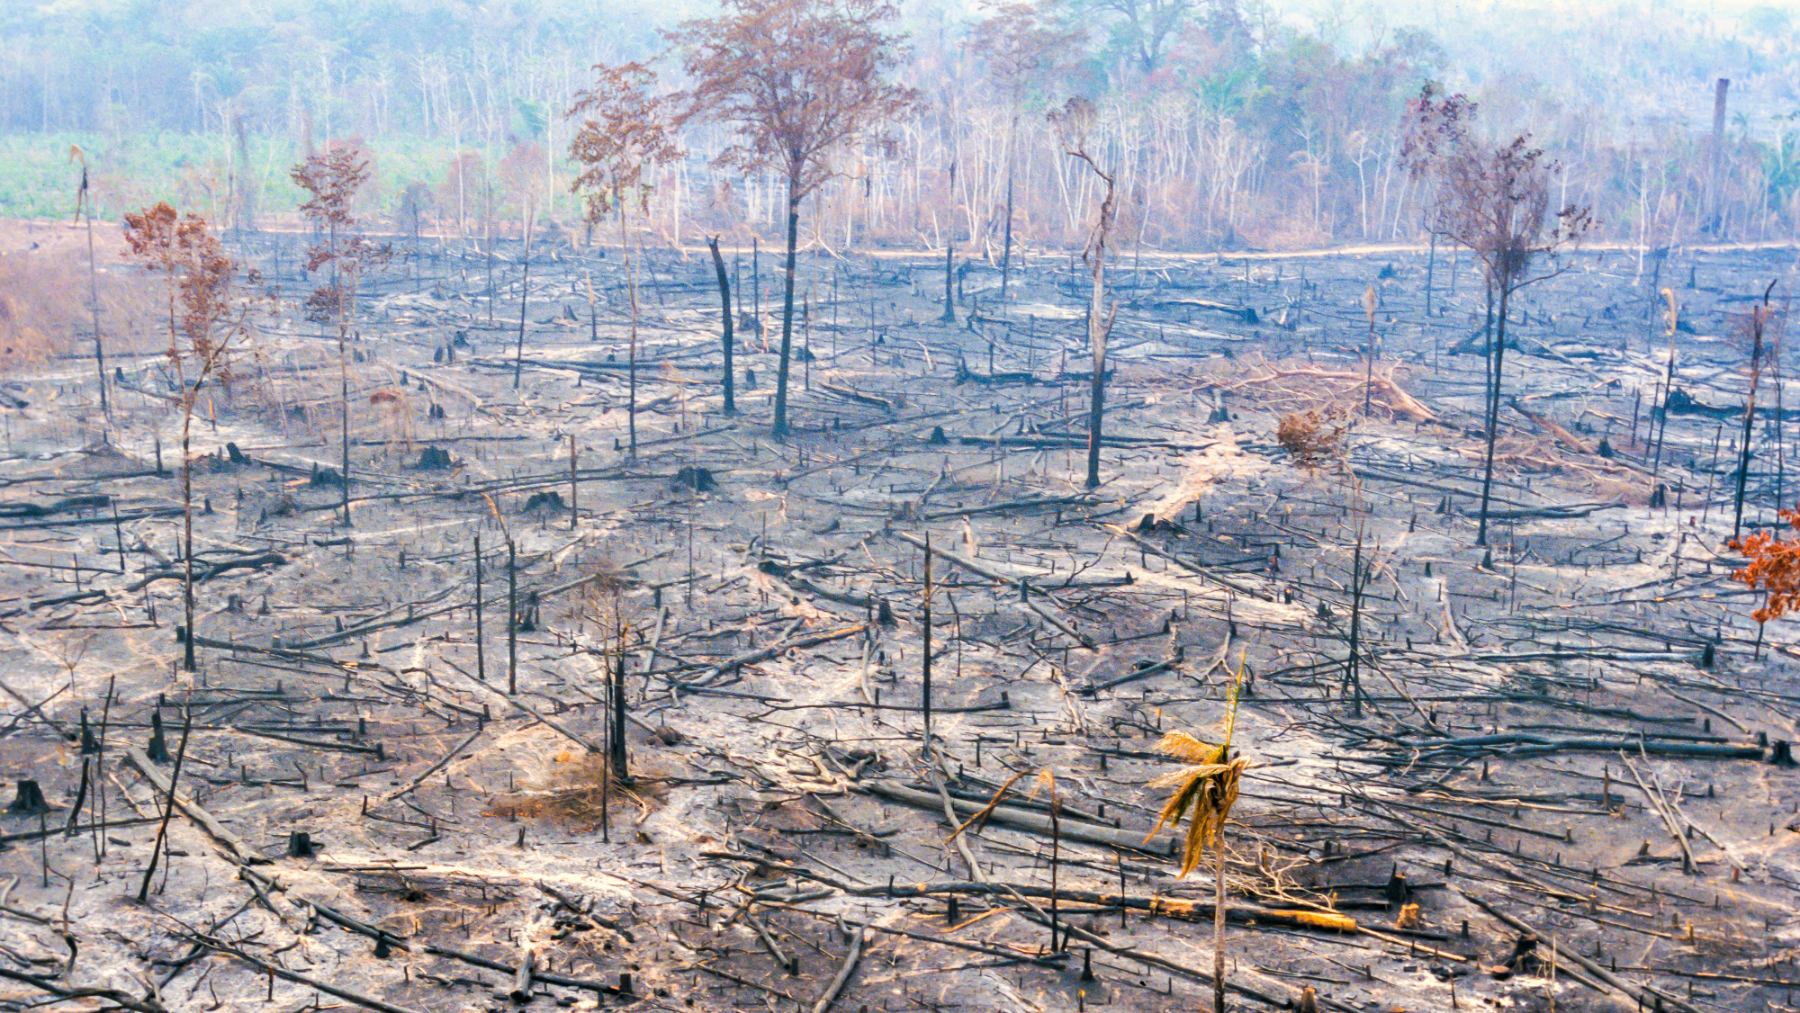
1187	749
1205	788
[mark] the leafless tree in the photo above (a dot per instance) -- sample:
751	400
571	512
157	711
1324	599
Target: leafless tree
1495	200
1073	121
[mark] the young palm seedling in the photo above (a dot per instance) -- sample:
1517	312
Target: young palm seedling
1205	789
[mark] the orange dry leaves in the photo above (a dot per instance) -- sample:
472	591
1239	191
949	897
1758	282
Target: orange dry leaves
1773	567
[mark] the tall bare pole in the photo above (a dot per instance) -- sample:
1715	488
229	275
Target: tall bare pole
1715	183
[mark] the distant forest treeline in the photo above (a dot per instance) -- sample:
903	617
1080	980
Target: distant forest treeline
1233	125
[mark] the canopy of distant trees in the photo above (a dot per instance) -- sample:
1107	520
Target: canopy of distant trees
1230	125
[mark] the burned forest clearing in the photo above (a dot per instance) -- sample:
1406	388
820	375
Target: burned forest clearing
552	723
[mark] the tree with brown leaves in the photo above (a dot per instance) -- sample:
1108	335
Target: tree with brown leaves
800	80
1073	121
626	130
1021	44
1773	567
1495	200
332	179
184	249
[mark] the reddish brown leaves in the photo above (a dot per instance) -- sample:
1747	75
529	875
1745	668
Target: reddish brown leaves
198	273
1311	438
331	180
1773	568
799	79
625	130
1023	44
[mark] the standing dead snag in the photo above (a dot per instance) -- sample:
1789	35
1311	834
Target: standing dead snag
1757	326
712	243
1072	123
199	278
332	179
519	171
1370	301
1496	202
800	80
625	130
84	207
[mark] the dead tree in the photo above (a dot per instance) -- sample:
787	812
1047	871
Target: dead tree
1072	123
712	243
800	80
1758	327
1496	202
84	208
625	130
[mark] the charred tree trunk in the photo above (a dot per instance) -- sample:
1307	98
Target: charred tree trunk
724	319
344	428
1493	409
631	298
94	299
187	537
512	618
1006	242
925	657
780	430
480	641
524	292
949	315
1758	318
620	760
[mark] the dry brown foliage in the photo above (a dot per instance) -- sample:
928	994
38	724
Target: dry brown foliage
571	791
38	319
1773	567
1311	438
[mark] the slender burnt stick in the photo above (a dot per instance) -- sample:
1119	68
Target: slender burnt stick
949	316
480	647
118	537
162	828
620	760
524	298
1712	472
99	770
1055	863
926	661
606	773
1430	270
1758	315
512	617
712	243
574	488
